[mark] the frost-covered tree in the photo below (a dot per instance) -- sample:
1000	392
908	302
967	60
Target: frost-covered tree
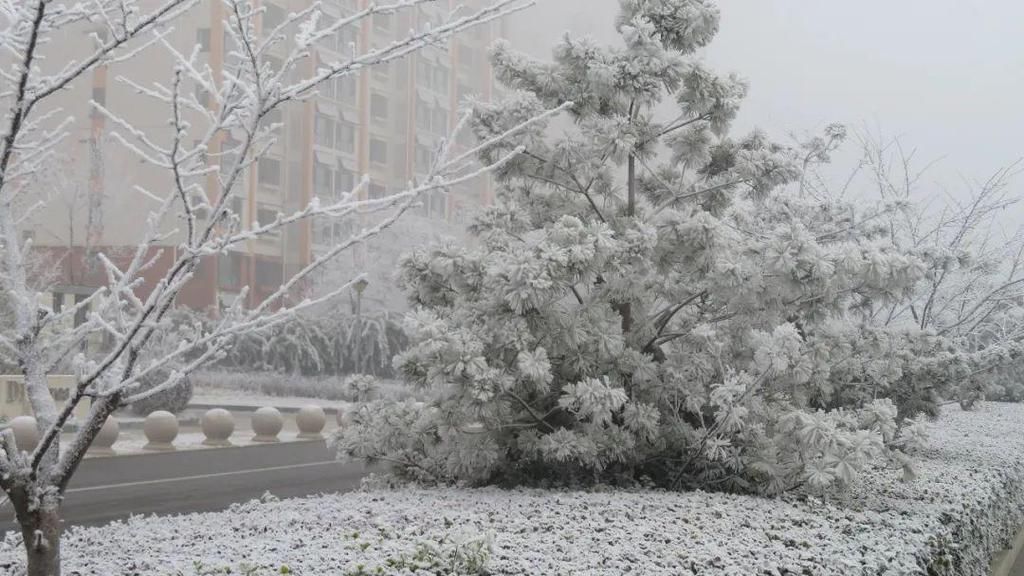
202	107
972	288
651	300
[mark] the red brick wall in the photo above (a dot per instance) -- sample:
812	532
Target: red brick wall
64	266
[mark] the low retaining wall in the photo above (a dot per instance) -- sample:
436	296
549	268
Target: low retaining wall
217	425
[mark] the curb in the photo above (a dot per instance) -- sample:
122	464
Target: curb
203	448
247	408
1004	560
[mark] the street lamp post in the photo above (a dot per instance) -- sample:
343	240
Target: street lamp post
359	286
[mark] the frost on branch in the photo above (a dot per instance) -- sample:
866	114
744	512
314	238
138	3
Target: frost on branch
203	152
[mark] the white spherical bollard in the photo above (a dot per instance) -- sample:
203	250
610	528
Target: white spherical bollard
267	423
218	424
103	443
161	428
26	433
311	421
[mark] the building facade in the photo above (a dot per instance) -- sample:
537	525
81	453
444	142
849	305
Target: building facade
383	122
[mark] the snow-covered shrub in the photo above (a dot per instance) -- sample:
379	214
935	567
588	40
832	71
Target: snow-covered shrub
177	326
377	337
325	345
361	388
699	324
465	556
173	399
275	384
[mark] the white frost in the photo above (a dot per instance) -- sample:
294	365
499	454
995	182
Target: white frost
964	505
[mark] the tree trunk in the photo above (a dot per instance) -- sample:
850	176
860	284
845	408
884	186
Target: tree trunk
626	309
631	186
42	543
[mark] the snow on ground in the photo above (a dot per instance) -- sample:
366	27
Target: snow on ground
963	506
133	441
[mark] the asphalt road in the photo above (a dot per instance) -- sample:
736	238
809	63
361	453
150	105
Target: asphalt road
1018	566
106	489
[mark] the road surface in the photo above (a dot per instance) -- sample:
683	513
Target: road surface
106	489
1018	566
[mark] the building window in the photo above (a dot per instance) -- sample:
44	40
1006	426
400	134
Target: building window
378	151
466	57
202	96
326	89
423	73
322	180
377	191
379	107
266	216
324	131
273	16
440	121
437	204
229	154
203	39
323	233
58	302
345	88
347	39
422	114
200	207
275	63
343	230
382	71
229	270
268	273
346	136
273	117
441	80
424	158
344	182
237	207
269	172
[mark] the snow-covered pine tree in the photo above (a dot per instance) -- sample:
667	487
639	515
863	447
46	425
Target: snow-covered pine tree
649	301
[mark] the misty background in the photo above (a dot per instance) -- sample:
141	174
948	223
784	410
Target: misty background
946	76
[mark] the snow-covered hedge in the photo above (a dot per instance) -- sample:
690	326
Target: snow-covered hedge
964	505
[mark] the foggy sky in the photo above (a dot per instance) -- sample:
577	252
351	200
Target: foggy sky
945	75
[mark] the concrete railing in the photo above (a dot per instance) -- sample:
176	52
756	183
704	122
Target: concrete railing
162	428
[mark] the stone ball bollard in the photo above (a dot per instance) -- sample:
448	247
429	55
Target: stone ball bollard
218	424
311	421
267	424
103	443
26	433
161	428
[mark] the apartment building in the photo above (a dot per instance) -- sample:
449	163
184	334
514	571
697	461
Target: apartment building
383	122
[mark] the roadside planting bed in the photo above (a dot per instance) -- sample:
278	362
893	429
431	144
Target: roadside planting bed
964	505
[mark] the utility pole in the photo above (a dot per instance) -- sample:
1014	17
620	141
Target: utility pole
359	286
